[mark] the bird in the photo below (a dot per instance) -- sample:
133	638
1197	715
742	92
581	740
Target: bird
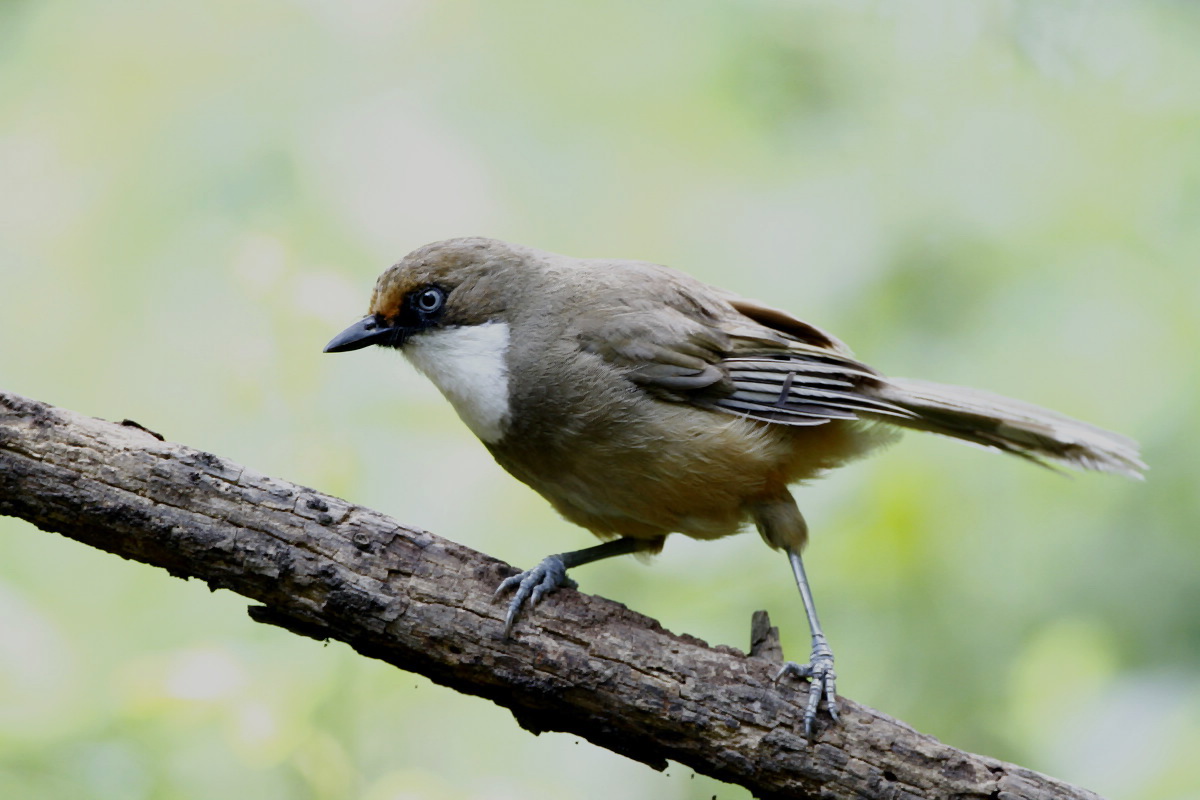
641	402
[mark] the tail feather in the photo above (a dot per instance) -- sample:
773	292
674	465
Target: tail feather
1000	423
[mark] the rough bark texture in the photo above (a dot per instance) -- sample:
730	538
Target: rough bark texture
325	568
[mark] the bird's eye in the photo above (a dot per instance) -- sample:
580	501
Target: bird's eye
429	299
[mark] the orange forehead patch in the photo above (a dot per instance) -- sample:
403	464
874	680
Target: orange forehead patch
390	291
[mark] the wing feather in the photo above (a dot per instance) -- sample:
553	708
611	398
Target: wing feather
828	385
762	364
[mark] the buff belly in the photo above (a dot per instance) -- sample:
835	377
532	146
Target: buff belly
698	472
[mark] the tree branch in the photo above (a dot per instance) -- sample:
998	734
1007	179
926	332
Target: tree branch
325	568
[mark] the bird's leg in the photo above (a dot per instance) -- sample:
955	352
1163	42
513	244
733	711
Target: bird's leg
819	669
533	584
782	526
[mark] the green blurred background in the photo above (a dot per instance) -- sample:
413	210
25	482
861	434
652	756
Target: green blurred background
195	197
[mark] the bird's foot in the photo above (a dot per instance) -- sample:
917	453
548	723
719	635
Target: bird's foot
532	585
822	682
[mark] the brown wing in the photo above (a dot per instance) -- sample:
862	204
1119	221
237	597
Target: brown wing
785	323
752	360
801	388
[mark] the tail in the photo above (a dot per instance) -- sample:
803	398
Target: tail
996	422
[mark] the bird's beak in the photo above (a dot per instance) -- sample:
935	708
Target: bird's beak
367	331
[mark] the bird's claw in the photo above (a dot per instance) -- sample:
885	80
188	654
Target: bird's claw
822	683
532	585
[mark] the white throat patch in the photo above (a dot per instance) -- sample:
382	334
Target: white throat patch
467	364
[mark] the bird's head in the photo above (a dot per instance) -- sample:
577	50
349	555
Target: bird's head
450	284
449	307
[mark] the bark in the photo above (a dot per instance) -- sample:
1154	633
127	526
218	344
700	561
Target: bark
325	568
